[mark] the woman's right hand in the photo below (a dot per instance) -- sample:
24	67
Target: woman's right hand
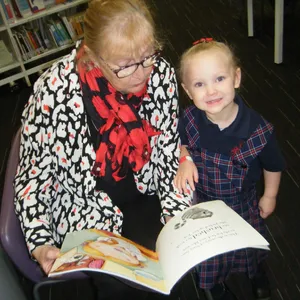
46	255
187	173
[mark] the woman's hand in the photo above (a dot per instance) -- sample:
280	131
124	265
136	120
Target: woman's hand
46	255
187	173
266	206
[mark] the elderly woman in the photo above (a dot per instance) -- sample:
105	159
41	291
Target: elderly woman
99	144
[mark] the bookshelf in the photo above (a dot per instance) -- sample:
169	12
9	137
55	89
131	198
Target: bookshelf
37	53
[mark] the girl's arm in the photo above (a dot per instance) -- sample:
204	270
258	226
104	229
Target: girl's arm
267	202
187	172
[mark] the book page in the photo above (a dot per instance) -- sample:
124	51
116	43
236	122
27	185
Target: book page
201	232
103	251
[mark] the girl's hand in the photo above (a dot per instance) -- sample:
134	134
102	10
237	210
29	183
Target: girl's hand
266	206
167	218
187	173
46	255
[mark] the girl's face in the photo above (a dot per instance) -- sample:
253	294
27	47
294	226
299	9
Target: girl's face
133	83
210	81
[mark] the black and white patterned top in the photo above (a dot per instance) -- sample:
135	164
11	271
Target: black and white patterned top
55	190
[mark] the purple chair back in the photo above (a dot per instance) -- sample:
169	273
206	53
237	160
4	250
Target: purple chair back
11	235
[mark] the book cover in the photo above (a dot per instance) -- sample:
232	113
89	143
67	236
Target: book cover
191	237
22	7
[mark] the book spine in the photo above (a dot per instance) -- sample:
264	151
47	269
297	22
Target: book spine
44	32
34	42
76	27
39	40
24	45
28	44
16	9
68	27
30	40
65	36
8	10
65	39
52	36
20	46
59	36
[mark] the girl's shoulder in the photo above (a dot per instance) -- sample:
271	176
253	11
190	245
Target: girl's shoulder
248	113
256	119
191	110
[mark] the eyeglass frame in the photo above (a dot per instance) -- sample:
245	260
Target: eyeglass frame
157	53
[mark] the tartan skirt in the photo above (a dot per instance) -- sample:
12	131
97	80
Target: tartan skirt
218	268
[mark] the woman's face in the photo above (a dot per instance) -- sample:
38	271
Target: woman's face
133	83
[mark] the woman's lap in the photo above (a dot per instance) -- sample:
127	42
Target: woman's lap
142	225
142	221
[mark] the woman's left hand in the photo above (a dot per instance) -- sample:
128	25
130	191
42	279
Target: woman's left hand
266	206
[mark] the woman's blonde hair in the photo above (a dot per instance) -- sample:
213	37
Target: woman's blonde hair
206	46
118	26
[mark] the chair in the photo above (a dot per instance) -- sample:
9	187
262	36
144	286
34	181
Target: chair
11	235
9	283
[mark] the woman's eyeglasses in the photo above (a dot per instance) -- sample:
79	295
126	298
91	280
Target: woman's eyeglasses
130	69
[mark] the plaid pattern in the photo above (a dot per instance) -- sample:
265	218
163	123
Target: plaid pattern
216	269
221	177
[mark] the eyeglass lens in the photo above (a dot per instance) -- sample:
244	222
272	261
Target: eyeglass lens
148	62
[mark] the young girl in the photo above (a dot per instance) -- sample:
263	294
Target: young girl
226	146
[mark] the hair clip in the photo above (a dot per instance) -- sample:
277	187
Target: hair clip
203	40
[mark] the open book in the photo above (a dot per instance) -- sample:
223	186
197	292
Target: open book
191	237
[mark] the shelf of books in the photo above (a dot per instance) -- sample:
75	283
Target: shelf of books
46	12
35	31
49	52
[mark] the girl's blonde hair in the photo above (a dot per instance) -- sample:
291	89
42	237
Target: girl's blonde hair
206	46
118	26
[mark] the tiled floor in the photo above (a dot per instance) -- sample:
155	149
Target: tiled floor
271	89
